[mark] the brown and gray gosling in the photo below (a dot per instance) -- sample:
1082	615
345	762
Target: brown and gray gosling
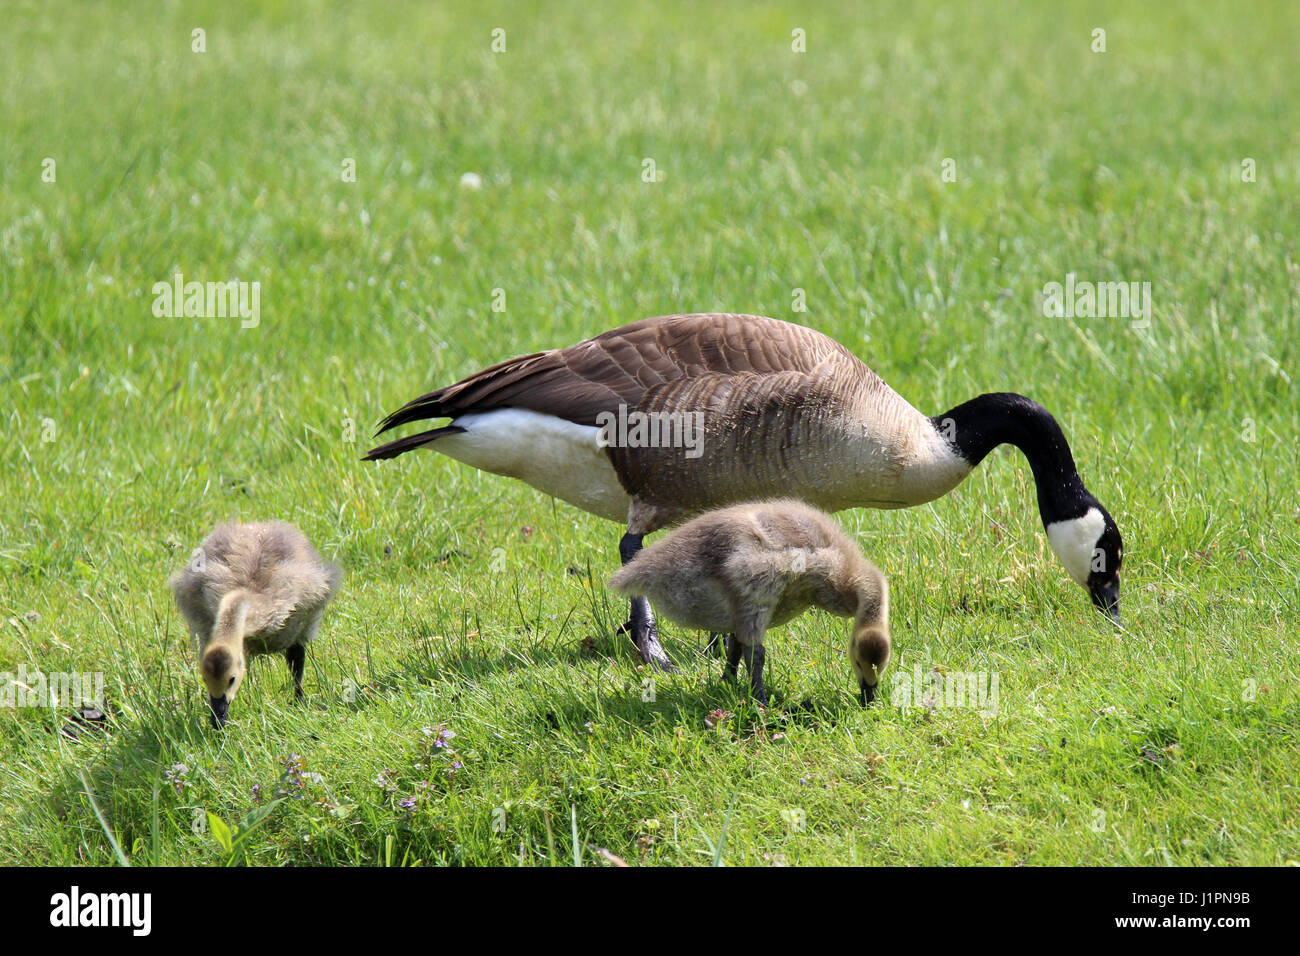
743	569
252	589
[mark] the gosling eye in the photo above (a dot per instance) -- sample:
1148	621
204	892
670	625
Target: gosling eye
231	684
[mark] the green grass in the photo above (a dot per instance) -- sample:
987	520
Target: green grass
128	436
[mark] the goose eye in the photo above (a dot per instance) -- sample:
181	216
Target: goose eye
231	684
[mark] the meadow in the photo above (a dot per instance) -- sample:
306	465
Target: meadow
908	183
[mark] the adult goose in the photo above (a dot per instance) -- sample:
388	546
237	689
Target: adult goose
752	408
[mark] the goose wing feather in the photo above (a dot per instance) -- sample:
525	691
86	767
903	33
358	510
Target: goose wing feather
619	367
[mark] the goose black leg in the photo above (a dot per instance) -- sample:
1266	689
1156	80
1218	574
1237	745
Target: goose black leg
713	648
733	657
754	656
297	658
641	620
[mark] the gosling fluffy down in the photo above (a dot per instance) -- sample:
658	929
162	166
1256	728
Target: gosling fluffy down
252	589
743	569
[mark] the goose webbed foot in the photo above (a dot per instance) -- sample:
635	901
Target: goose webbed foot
297	658
641	621
645	635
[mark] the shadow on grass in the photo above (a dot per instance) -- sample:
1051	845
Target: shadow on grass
623	716
622	689
122	779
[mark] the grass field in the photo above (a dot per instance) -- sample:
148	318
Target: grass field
474	605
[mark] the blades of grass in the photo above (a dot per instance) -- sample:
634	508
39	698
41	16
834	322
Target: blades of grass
722	836
154	824
550	841
247	825
112	840
577	847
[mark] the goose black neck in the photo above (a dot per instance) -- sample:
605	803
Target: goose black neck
976	427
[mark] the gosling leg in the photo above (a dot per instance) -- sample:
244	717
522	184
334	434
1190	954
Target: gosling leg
754	656
714	647
297	658
733	657
641	618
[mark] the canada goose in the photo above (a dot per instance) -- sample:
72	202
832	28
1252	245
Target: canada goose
743	569
754	408
252	589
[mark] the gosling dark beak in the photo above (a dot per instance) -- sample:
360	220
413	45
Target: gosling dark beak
868	692
1105	595
219	707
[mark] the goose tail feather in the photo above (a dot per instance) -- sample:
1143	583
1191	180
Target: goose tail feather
402	445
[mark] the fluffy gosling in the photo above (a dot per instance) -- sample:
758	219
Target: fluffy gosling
743	569
252	589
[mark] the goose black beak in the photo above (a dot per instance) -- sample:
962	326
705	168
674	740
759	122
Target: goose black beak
867	692
220	706
1105	595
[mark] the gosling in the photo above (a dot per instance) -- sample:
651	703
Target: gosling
252	589
743	569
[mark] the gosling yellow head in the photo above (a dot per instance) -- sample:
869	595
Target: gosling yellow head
223	671
869	651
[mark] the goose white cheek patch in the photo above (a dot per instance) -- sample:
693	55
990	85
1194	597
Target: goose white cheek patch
1074	542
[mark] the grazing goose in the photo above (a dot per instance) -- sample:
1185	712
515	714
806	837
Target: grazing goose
252	589
753	408
743	569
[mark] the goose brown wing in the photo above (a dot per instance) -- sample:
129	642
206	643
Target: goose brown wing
620	366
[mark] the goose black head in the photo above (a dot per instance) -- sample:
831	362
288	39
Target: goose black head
1081	531
1091	549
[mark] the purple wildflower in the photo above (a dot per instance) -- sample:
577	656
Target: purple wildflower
176	776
